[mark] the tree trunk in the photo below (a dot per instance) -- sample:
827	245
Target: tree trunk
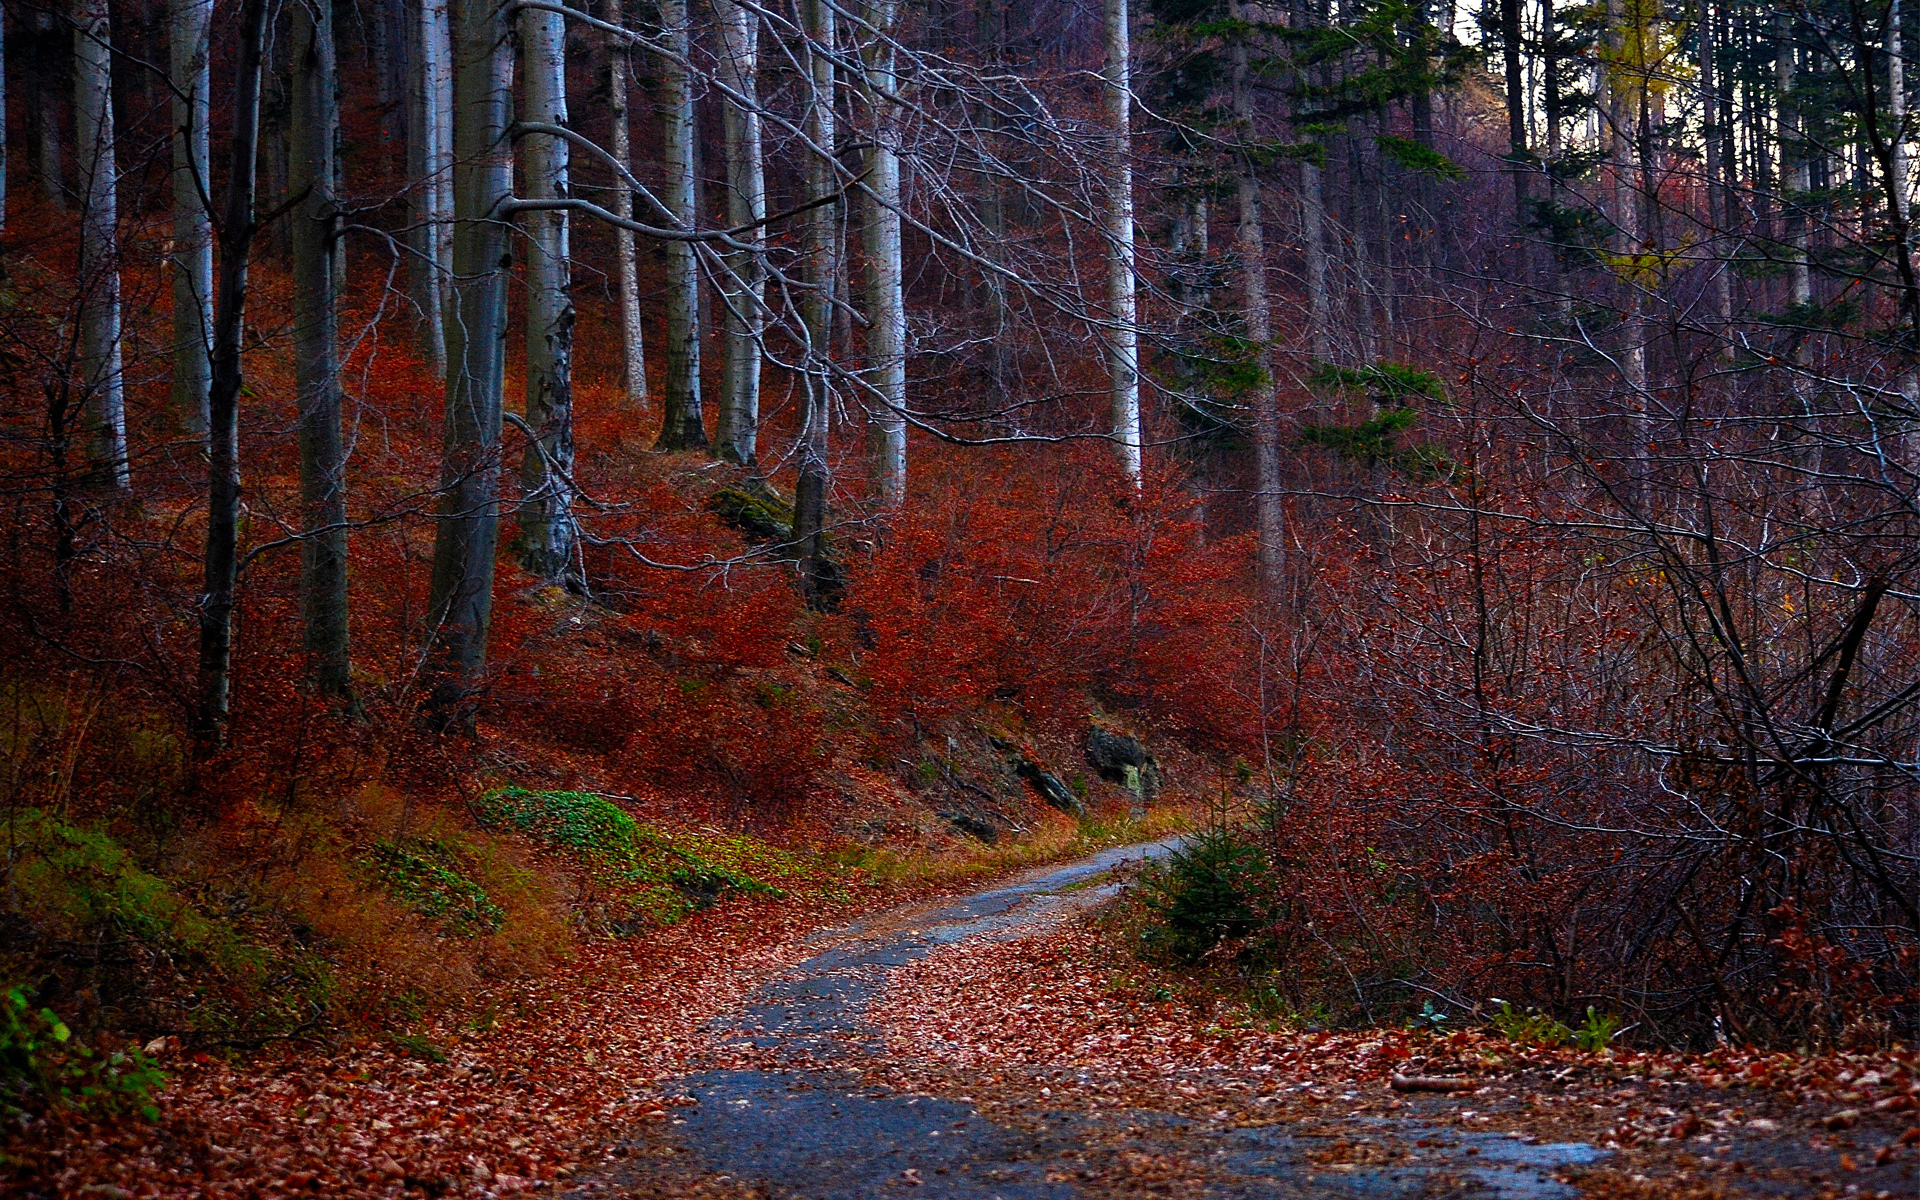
188	40
745	274
1716	173
223	401
1123	346
1793	164
548	537
430	157
817	577
3	123
886	300
1313	231
49	165
99	276
466	538
1516	106
311	162
633	346
682	426
1270	515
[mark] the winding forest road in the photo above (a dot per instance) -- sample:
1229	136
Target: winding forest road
791	1109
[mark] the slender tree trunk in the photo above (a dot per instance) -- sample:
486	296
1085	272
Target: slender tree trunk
683	425
3	122
49	165
1270	515
886	298
99	277
1793	162
1123	347
188	41
1715	168
990	34
745	279
1313	231
1517	106
237	230
817	577
460	604
548	537
430	154
316	366
633	346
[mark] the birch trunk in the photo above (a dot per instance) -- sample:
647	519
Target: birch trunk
886	300
682	426
1123	346
223	400
548	538
99	242
430	154
460	604
311	162
1270	518
188	38
817	579
633	346
745	270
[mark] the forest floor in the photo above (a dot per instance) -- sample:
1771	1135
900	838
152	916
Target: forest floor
994	1044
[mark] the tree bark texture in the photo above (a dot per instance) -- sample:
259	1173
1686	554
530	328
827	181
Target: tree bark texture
633	346
223	402
311	163
99	276
683	426
742	315
548	536
886	299
817	579
188	44
1123	346
466	537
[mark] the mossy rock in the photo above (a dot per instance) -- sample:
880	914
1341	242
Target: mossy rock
758	513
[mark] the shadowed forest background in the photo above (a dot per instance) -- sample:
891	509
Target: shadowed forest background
481	478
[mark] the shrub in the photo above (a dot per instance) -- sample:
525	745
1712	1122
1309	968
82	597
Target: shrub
1208	895
426	876
42	1066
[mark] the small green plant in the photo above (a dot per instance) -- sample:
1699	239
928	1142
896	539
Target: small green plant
1529	1028
419	1046
1207	894
425	875
1597	1032
41	1064
1429	1017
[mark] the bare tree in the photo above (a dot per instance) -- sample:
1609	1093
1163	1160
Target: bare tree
744	278
683	424
1123	348
886	300
633	353
188	43
311	161
820	274
430	158
547	534
99	276
237	229
460	602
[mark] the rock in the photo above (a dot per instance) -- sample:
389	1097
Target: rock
1120	758
1051	789
972	824
757	513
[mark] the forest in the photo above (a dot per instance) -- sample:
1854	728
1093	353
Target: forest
497	494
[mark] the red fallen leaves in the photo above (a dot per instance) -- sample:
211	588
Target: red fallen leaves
1067	1003
516	1108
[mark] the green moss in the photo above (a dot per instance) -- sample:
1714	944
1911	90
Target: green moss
648	877
757	514
428	877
